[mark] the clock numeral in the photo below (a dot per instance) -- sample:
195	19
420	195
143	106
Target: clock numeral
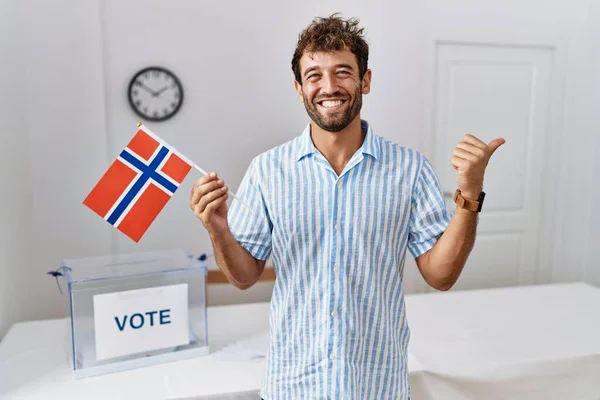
165	111
145	110
156	73
135	92
174	86
173	104
176	95
138	103
138	83
155	114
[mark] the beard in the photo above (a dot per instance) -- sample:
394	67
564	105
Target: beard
336	121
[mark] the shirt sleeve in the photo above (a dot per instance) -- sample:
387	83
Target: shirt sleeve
248	219
429	217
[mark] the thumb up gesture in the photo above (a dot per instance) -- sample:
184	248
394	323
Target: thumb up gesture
470	158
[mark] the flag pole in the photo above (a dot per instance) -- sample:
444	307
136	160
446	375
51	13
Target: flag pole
139	124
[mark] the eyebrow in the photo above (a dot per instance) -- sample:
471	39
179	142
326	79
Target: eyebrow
311	69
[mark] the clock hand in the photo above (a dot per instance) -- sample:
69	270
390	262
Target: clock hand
160	91
146	88
161	99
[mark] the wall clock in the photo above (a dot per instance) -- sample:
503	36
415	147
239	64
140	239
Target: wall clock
155	94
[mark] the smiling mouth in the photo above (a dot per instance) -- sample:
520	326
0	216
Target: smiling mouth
331	104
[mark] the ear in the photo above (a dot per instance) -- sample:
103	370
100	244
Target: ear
366	82
298	87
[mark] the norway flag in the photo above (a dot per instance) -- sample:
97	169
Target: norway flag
138	184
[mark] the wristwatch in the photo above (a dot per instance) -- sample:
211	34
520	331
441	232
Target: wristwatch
467	204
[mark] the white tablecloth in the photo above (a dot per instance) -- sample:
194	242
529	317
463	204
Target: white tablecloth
33	364
539	342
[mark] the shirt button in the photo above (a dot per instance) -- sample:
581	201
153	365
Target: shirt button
332	356
334	313
337	227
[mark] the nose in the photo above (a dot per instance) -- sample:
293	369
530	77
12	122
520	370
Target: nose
329	84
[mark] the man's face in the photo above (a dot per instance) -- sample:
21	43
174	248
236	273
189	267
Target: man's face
331	88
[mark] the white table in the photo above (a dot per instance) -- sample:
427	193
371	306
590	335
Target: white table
34	365
539	342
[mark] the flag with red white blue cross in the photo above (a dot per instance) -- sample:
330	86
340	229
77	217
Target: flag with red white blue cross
138	184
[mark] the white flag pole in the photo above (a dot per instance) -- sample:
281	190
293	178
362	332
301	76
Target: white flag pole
148	131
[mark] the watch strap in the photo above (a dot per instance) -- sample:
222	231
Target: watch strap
468	204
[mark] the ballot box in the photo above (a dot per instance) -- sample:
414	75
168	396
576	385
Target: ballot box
133	310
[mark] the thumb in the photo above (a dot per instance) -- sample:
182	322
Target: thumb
494	144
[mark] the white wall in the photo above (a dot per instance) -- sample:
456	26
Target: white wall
578	171
234	61
69	64
15	199
592	255
56	144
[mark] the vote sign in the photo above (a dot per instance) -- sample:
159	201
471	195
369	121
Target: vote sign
140	320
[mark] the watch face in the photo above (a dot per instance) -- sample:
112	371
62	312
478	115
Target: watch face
155	94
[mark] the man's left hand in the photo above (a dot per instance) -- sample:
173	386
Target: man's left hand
471	157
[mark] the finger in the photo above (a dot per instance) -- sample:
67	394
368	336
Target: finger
205	179
474	141
494	144
201	209
214	205
460	153
210	197
458	162
477	151
204	190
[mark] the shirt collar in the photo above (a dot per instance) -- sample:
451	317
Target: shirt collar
370	145
305	145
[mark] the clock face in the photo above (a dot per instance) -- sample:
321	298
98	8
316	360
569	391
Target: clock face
155	94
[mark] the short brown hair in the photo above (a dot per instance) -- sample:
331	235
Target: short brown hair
332	34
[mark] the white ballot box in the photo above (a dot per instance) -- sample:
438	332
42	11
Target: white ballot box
133	310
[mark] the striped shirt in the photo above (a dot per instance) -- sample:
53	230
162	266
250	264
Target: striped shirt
337	319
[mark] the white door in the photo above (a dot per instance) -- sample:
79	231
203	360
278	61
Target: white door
495	91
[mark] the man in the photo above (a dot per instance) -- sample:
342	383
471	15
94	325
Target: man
336	209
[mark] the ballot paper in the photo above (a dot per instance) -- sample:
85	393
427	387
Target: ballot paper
253	348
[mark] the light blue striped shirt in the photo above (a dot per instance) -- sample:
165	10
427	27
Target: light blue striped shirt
338	328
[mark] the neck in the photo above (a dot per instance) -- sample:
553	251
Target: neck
338	147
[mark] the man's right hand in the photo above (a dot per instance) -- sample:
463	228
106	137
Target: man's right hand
208	200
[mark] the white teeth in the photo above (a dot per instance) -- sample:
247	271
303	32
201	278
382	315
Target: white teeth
331	103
